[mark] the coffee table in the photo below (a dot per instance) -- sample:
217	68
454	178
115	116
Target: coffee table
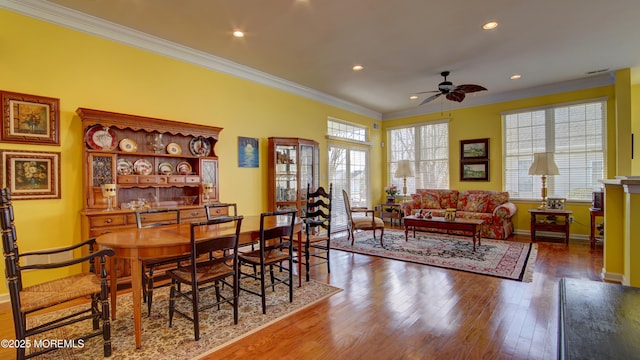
472	225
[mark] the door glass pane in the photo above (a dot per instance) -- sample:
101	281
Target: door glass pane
348	170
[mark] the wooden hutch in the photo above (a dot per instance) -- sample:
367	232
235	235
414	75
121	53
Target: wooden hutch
293	163
152	162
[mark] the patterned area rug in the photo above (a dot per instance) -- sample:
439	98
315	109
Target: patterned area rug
500	258
161	342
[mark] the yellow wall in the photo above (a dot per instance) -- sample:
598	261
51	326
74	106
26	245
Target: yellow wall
486	122
85	71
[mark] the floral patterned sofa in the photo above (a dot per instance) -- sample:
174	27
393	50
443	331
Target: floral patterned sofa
491	206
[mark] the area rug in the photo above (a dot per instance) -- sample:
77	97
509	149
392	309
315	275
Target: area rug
159	341
501	258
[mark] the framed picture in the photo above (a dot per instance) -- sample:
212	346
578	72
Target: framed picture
31	174
555	203
30	119
474	149
248	152
474	170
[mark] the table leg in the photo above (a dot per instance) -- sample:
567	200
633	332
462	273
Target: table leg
113	287
136	288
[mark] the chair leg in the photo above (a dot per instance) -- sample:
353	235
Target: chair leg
106	326
307	257
290	260
217	285
196	314
352	236
263	290
149	287
172	301
236	295
328	255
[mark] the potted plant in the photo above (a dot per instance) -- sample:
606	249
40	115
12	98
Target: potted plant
391	191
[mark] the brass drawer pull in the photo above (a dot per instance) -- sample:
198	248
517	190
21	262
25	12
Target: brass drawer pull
108	221
195	213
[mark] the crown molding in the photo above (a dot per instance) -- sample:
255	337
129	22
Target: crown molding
59	15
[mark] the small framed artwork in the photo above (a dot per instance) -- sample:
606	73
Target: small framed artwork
31	174
474	170
248	152
476	149
30	119
555	203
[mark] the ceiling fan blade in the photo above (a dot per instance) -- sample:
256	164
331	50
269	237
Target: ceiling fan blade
430	98
456	96
469	88
427	92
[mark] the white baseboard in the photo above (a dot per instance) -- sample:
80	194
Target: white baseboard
4	298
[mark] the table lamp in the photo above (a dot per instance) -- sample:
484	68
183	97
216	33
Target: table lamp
404	171
544	165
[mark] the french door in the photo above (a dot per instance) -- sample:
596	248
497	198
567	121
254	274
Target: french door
348	170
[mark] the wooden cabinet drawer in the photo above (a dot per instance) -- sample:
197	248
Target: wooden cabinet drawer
193	179
106	220
153	218
213	212
176	179
188	215
127	179
147	179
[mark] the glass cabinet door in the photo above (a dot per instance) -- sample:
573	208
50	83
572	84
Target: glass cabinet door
286	174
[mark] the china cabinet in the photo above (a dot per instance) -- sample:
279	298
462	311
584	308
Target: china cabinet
293	163
152	163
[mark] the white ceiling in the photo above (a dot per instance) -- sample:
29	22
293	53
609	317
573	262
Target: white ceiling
403	44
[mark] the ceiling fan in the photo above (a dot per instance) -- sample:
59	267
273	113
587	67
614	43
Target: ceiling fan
452	92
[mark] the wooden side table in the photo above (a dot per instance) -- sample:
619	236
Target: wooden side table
550	220
593	212
390	211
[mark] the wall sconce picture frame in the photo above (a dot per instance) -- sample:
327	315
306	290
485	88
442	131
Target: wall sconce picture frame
476	149
30	119
31	174
474	170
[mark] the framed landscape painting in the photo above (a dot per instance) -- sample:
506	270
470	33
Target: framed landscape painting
31	174
474	170
474	149
30	119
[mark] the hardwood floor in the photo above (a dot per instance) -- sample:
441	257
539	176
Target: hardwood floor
397	310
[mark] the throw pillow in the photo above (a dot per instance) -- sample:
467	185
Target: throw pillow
430	201
476	203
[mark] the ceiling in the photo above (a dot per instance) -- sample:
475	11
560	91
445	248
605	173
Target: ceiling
402	44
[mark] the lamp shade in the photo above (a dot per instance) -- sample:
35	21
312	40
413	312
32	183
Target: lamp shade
543	164
404	169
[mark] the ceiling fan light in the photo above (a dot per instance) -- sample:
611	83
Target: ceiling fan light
515	76
357	67
490	25
413	97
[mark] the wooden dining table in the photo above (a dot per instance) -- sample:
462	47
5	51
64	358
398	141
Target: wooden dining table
170	240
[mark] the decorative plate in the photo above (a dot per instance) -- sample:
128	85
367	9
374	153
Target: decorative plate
125	167
183	168
165	168
100	137
200	146
174	149
128	145
142	167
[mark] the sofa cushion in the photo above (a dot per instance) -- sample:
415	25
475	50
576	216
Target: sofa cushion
431	201
417	201
476	203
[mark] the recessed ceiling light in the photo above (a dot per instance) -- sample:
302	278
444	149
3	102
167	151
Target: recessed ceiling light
238	34
357	67
490	25
413	97
515	76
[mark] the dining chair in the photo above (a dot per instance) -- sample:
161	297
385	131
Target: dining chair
146	218
318	227
25	300
361	220
203	275
275	248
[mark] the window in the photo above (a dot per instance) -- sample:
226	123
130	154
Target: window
346	131
348	169
575	133
427	147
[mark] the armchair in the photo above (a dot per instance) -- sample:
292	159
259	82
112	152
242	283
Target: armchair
360	222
